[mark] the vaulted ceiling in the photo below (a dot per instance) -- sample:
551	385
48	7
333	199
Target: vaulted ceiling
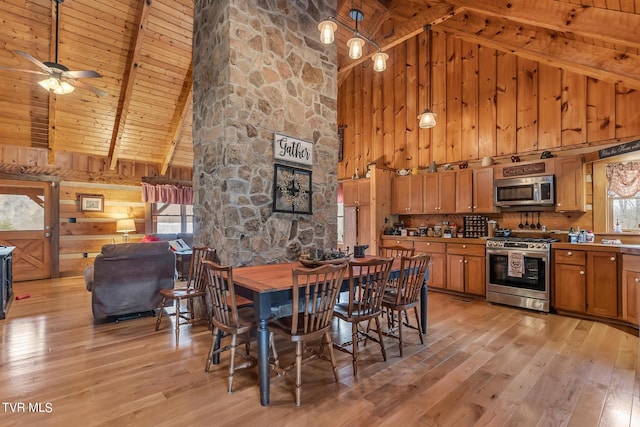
142	48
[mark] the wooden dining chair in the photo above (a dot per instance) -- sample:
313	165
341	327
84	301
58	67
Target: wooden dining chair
195	289
315	292
406	296
396	251
367	282
227	318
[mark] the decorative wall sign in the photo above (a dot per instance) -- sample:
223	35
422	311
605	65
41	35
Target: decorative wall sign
619	149
341	142
91	202
292	150
523	169
291	190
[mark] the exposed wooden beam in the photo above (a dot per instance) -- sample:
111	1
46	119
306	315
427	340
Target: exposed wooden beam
544	46
411	28
51	128
178	124
607	25
128	84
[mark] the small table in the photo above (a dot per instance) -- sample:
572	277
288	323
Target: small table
183	257
272	284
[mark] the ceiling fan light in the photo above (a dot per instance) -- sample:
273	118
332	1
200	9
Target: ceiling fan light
380	61
327	31
355	47
50	83
64	88
427	119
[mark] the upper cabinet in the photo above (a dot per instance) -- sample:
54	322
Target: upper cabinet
356	192
474	191
570	195
406	194
439	192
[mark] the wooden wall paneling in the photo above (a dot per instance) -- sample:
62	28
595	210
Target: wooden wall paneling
439	97
549	104
424	135
349	132
377	124
601	110
469	130
627	112
358	146
486	101
506	104
454	99
399	105
367	119
388	130
527	101
574	108
412	90
342	121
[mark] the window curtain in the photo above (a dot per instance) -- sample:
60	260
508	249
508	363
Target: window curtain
623	178
166	193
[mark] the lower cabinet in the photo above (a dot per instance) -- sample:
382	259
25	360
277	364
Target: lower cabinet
602	283
437	266
466	268
630	285
570	290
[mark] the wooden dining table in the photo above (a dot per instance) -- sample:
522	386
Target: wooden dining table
271	286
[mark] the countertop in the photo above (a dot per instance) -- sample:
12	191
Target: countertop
471	240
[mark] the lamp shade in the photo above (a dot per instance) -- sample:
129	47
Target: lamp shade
427	119
327	31
58	86
355	47
379	61
125	225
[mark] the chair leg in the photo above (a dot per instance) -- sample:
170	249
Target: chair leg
415	310
298	372
332	356
234	338
354	345
400	332
276	361
160	313
384	352
177	321
214	346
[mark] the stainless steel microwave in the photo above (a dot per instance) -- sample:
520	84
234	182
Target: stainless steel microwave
525	193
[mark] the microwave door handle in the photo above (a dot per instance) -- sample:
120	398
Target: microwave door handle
536	192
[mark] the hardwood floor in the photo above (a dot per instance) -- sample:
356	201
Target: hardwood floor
481	365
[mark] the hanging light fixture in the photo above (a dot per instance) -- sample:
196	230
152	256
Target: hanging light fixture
428	118
57	85
356	44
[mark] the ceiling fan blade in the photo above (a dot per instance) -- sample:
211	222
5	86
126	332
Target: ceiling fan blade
35	61
84	74
95	90
23	71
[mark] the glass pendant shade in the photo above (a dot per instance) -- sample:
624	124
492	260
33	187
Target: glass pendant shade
355	47
427	119
57	86
327	31
380	61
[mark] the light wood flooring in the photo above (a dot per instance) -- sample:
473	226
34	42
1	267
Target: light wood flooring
481	365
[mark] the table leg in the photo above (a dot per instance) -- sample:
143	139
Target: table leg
423	308
263	361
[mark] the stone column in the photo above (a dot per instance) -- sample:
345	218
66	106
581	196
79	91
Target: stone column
259	68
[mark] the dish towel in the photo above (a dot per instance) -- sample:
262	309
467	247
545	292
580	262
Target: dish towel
516	264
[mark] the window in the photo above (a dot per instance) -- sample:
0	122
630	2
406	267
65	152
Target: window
623	196
171	218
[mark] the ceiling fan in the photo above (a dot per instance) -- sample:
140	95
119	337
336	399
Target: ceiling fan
59	78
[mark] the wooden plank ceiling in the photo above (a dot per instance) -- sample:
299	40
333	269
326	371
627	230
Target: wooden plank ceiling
142	48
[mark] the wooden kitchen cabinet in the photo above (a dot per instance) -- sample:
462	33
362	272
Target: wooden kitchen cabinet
437	262
602	283
570	195
466	268
464	191
407	194
570	283
356	192
439	192
474	191
630	285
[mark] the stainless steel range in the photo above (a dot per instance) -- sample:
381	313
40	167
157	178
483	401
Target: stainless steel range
518	272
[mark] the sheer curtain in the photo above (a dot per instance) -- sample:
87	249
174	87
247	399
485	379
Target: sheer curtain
166	193
623	178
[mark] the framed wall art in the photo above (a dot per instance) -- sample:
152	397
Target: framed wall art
291	190
91	202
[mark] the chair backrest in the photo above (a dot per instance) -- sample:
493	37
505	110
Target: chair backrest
315	293
396	252
197	278
367	282
412	274
221	295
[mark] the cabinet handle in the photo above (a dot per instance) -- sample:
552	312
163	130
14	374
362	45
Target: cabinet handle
464	246
612	258
465	261
428	243
460	261
558	204
637	280
582	272
569	253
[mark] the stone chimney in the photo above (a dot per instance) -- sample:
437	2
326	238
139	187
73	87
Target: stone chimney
260	69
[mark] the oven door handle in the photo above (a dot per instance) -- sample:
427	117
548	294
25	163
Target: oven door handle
529	254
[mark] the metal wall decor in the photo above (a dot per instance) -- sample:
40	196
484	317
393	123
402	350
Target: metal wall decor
291	190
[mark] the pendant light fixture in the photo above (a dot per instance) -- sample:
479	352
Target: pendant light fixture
428	118
356	44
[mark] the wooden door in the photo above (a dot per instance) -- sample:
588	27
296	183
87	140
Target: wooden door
25	222
455	272
464	191
483	191
602	283
475	276
350	193
447	191
569	184
431	193
570	288
630	284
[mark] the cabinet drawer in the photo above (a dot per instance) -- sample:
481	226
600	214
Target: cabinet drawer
465	249
430	247
398	242
631	262
564	256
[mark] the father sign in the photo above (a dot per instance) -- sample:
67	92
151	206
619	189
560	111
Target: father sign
292	149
